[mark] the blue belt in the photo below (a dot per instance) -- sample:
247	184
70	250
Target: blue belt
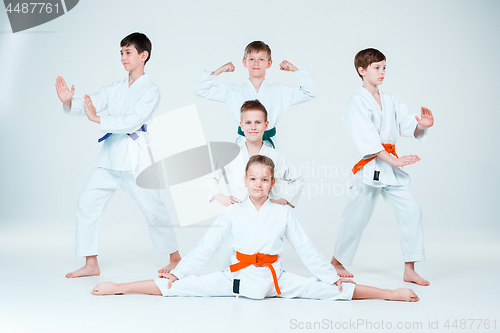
133	136
267	135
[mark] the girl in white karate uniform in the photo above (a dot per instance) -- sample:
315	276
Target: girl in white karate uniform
288	187
258	227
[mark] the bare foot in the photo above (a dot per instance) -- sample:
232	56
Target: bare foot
174	260
340	269
403	294
411	276
106	288
91	268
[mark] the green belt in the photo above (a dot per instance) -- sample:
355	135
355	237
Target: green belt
267	135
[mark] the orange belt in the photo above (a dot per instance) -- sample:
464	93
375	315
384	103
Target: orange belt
257	259
390	148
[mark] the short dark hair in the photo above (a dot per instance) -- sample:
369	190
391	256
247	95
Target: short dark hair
263	160
253	105
366	57
140	41
257	46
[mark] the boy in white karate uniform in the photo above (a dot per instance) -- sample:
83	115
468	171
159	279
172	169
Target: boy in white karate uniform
375	120
276	97
130	104
258	227
288	187
254	123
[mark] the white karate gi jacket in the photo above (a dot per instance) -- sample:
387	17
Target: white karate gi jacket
371	126
276	97
257	232
128	109
288	186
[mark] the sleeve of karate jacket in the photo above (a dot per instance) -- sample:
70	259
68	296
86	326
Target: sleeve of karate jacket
303	93
288	185
212	184
206	248
314	260
99	99
406	121
134	117
207	90
363	131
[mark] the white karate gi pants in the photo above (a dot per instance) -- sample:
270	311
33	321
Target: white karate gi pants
101	185
357	214
221	284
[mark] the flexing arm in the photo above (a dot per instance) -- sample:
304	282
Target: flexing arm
288	66
205	88
227	68
304	92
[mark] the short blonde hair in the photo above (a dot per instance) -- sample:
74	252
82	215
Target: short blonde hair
253	105
257	46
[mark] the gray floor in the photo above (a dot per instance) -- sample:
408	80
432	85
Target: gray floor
36	297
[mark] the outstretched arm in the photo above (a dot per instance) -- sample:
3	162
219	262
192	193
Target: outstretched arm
206	248
63	92
314	260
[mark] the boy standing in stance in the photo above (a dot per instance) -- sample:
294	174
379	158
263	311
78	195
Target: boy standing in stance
375	120
130	104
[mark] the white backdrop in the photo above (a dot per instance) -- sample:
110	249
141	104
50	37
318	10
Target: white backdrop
440	54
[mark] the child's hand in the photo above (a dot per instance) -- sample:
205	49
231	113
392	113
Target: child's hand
171	278
404	160
280	201
90	109
63	92
426	121
225	200
339	282
229	67
395	161
287	66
